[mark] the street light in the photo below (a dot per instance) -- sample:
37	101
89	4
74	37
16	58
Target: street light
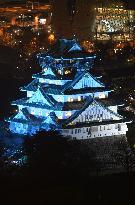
51	38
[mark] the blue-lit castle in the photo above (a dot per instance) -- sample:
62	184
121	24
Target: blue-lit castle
65	96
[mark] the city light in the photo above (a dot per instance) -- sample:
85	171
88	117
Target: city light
51	38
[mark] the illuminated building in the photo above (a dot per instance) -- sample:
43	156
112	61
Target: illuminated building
114	22
65	96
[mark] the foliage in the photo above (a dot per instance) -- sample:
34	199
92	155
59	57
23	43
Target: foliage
52	155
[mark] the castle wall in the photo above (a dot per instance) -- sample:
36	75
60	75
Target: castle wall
96	131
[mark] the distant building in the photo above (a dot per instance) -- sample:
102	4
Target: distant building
93	19
114	22
32	4
65	96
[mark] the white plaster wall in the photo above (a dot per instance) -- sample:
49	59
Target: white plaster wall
30	93
96	131
54	82
64	98
114	108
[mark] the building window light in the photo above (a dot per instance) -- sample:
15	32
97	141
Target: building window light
40	113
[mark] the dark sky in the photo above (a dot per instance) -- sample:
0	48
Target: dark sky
131	3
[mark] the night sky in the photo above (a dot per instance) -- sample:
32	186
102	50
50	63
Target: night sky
131	3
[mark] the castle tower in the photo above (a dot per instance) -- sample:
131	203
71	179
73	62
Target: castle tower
65	96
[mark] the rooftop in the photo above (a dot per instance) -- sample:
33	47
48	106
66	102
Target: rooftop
68	49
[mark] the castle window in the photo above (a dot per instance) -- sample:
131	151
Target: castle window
79	98
32	112
79	130
59	99
71	61
60	72
40	113
102	95
68	114
70	99
45	69
60	116
67	72
46	114
75	131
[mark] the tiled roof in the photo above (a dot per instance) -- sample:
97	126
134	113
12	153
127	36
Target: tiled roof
64	49
94	123
30	119
41	75
31	86
30	104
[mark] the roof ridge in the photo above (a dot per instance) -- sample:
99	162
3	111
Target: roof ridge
48	97
102	104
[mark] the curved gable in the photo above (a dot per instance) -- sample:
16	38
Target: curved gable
88	81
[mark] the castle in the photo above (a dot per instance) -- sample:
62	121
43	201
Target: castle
65	96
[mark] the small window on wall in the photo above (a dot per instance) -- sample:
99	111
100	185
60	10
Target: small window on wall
32	112
46	114
68	114
60	117
67	72
79	98
45	69
102	95
40	113
59	99
70	99
60	72
42	80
